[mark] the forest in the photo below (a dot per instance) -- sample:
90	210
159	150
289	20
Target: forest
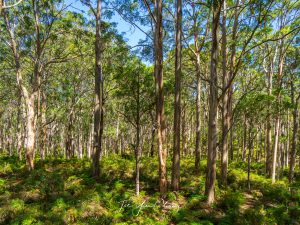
191	116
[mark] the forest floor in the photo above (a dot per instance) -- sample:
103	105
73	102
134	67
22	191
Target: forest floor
63	192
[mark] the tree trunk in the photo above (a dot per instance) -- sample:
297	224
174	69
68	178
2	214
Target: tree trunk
294	135
277	123
117	137
198	120
244	140
152	142
90	141
183	132
269	127
137	160
225	103
231	143
177	108
198	49
198	97
43	127
19	129
98	108
137	145
286	155
276	143
30	124
69	139
160	120
250	144
231	71
261	149
213	107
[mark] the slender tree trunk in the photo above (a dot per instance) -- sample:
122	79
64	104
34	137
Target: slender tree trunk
80	141
137	162
198	121
277	123
288	142
281	152
137	145
152	142
231	72
90	141
231	143
250	144
268	146
98	108
117	137
197	51
160	120
43	127
69	139
138	148
9	138
276	143
261	149
269	127
213	107
19	129
244	140
183	132
225	101
37	71
177	108
293	153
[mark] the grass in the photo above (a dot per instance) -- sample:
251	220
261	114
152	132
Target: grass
62	191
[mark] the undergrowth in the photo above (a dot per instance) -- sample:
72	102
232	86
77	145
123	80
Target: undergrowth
62	191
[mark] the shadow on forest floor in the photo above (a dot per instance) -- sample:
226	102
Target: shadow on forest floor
63	192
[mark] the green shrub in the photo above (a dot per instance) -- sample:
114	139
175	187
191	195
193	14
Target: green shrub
231	200
253	216
17	205
74	185
2	185
6	168
276	193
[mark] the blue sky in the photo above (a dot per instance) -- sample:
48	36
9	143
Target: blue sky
131	34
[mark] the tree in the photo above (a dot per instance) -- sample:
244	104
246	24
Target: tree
199	45
225	101
29	98
135	94
177	100
159	87
213	106
98	92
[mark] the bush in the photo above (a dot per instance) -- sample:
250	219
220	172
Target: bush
232	200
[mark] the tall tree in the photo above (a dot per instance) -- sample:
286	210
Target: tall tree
160	117
29	98
231	70
225	102
196	57
98	108
177	100
213	105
